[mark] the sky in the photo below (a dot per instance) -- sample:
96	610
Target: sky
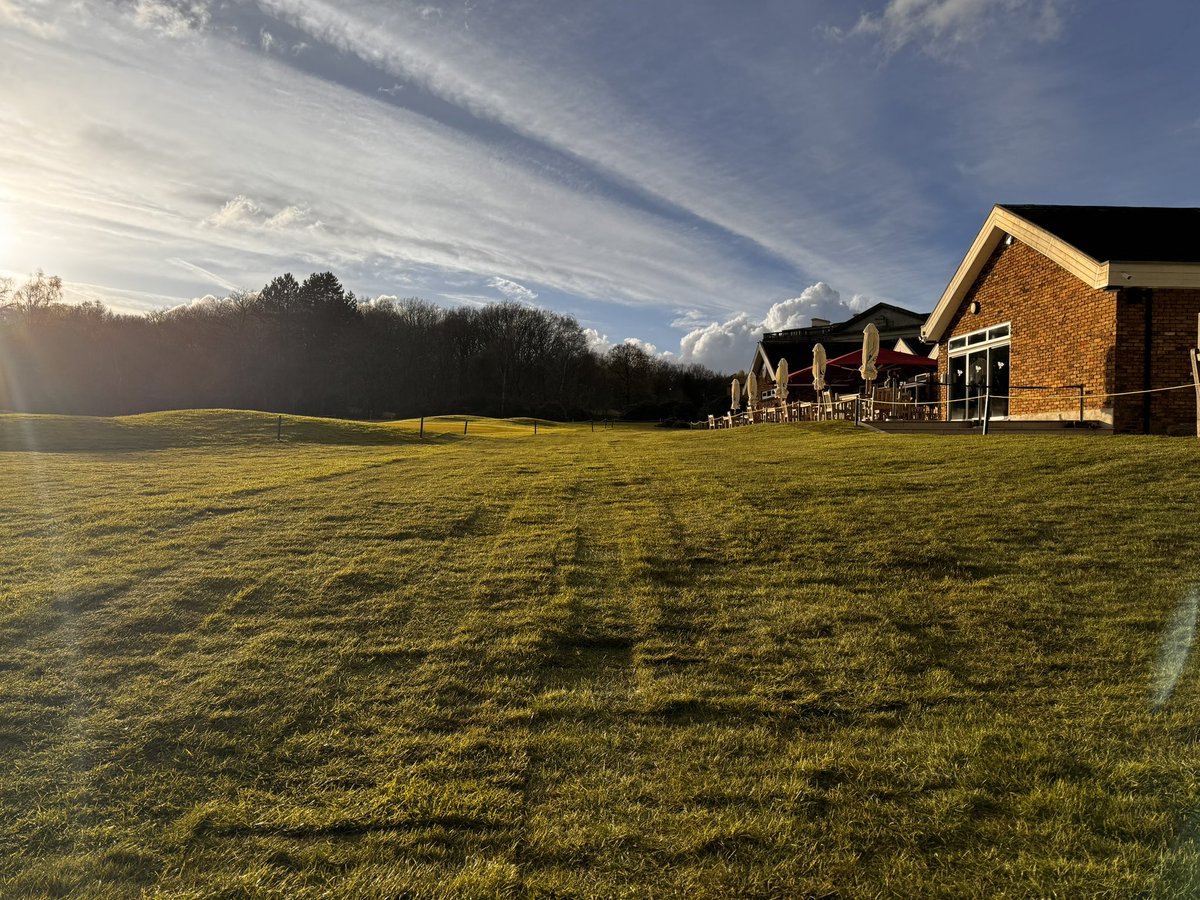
681	173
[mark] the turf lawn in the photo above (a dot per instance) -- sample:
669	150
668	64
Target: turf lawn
781	661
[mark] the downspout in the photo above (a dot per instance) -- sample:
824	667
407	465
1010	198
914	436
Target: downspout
1147	359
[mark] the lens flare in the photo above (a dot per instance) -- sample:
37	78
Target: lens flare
1175	649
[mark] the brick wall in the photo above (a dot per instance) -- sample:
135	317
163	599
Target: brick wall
1063	333
1130	362
1173	313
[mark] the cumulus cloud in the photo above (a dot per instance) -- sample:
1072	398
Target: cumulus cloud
729	346
382	301
290	216
645	346
242	212
939	27
723	346
818	300
597	342
512	290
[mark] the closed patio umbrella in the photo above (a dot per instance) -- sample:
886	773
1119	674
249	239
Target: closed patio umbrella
870	353
818	373
818	368
781	385
735	395
752	393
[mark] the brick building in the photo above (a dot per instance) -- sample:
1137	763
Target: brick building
1050	298
899	328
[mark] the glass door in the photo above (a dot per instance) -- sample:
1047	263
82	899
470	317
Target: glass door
998	380
976	382
958	388
979	367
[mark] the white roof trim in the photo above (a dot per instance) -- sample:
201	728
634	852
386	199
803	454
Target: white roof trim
760	357
1141	274
1100	275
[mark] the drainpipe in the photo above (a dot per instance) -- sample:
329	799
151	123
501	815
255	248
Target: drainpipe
1147	358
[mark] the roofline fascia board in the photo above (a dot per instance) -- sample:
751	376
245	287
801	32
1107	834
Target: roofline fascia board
762	355
1152	275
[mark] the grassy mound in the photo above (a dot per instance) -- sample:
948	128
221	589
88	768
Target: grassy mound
187	428
776	661
212	427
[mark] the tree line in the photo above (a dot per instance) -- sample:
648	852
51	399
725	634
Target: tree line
311	348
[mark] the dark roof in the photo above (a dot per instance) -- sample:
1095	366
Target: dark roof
1121	233
874	312
796	351
796	344
902	321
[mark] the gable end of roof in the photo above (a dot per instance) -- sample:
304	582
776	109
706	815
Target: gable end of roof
1028	224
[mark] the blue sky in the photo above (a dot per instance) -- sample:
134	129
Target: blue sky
681	172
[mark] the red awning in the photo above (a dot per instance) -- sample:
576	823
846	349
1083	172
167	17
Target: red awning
844	369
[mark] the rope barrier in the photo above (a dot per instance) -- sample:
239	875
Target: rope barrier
825	406
1073	396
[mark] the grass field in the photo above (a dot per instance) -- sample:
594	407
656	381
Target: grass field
783	661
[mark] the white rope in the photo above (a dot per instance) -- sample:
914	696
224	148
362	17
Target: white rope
1075	396
883	404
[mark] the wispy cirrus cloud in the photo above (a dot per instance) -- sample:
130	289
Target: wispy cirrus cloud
496	82
397	192
942	28
675	163
37	17
212	277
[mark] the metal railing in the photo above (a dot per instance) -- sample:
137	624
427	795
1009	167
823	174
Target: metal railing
984	400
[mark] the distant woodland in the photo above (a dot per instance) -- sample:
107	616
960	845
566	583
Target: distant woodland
309	347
